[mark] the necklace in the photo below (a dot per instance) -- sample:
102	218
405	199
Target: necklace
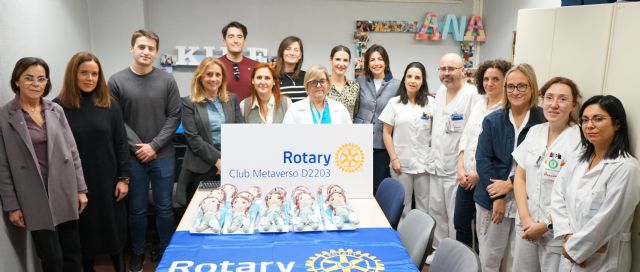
29	109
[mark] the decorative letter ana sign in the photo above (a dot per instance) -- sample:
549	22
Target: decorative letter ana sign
430	29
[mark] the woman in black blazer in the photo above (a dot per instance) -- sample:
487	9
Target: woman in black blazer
203	113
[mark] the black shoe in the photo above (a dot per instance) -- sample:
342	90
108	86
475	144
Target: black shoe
156	255
136	263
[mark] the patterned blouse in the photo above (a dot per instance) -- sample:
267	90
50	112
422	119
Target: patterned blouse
349	96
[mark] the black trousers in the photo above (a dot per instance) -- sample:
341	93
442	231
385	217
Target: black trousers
381	169
463	216
59	250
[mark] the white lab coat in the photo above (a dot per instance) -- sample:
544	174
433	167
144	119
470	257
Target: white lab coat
449	121
411	133
597	207
472	130
541	165
300	113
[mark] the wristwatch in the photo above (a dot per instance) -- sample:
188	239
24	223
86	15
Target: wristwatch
548	223
124	179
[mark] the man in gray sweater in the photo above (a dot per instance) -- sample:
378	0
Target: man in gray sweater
150	103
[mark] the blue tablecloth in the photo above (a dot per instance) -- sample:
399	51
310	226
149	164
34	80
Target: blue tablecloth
366	249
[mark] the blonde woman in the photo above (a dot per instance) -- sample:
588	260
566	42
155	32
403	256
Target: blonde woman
203	113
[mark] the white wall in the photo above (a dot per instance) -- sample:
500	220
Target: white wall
112	23
53	30
499	18
320	24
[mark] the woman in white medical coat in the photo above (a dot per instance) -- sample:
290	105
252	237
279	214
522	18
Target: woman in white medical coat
490	83
540	157
594	200
316	108
407	135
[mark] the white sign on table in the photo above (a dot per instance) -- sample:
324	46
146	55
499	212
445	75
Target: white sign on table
293	155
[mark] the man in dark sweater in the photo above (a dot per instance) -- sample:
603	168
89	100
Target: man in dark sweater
150	103
238	66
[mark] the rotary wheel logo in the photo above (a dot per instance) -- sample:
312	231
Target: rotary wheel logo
344	261
350	158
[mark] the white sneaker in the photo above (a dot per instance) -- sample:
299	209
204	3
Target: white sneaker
430	258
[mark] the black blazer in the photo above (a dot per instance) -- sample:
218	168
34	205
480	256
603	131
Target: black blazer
201	155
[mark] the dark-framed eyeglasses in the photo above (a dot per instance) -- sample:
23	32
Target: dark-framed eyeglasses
522	88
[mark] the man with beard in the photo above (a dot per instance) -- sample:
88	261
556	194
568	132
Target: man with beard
451	109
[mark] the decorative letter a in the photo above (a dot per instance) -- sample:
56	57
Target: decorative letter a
475	30
430	22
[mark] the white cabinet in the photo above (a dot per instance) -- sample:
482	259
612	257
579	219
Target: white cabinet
597	47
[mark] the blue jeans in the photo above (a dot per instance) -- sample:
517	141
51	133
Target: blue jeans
160	174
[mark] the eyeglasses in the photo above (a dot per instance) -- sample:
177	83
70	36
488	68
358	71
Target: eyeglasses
39	80
448	69
596	119
319	83
236	71
562	100
520	87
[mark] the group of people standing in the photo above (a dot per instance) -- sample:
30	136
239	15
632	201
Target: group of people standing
560	187
557	183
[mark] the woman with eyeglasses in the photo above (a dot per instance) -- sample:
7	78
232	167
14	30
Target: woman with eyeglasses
203	113
289	68
502	132
317	108
95	118
407	136
377	86
539	158
265	105
595	196
342	90
490	84
41	180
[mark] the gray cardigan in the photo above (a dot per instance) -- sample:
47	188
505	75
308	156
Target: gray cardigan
372	103
21	186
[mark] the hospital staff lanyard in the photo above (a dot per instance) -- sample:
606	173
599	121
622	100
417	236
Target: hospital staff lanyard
322	116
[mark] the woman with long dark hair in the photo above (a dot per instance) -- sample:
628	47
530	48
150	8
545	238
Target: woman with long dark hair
407	135
95	119
594	200
289	68
377	86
